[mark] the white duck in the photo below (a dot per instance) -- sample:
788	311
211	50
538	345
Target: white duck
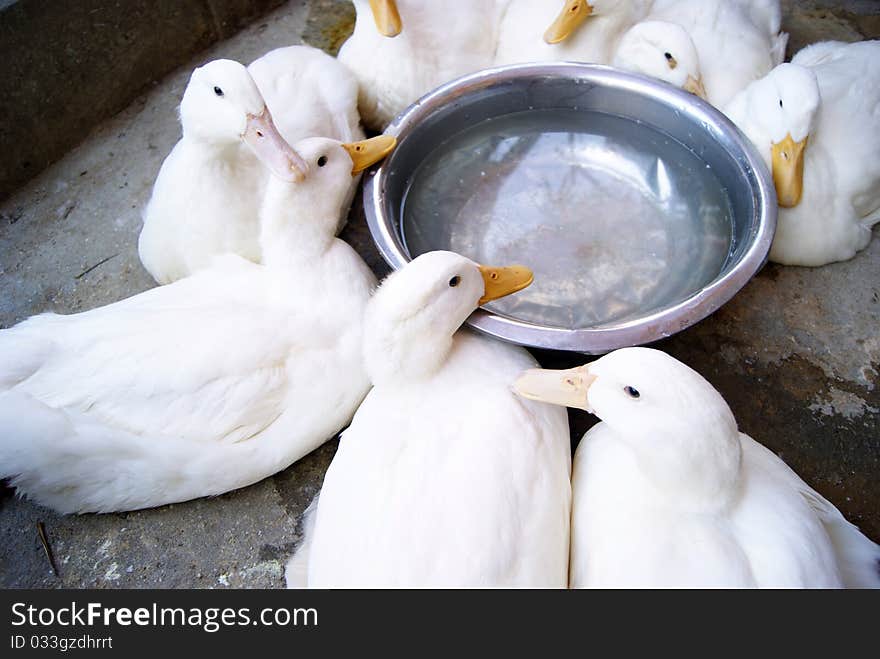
767	15
210	185
574	30
732	48
204	385
445	477
402	49
309	93
816	122
661	50
666	492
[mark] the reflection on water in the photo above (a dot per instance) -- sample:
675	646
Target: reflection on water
614	222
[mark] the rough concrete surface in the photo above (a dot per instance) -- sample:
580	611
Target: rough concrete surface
70	65
796	353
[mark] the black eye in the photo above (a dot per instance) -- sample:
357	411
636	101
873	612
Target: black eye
455	281
780	102
667	55
218	91
322	161
632	392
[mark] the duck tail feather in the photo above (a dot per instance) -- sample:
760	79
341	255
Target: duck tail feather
858	557
296	574
64	460
777	48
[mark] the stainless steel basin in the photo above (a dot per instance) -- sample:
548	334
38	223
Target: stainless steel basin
641	208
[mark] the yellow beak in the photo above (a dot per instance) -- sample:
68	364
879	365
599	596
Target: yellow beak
787	158
572	15
367	152
567	388
503	281
695	86
387	17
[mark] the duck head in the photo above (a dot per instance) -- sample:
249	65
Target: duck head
778	113
661	50
308	211
411	320
679	427
222	106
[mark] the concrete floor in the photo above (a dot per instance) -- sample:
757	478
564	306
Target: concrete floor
796	353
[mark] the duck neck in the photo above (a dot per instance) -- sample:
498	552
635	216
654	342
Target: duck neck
693	473
220	151
402	350
295	224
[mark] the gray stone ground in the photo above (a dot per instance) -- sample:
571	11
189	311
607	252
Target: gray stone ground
796	353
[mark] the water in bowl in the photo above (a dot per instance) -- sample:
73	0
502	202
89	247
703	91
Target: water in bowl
616	220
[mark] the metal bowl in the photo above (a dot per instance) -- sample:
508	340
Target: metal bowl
655	190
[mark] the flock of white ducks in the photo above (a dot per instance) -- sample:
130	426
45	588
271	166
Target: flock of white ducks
206	384
267	338
717	49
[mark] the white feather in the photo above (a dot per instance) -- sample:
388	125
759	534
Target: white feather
737	42
841	184
309	94
444	478
201	386
668	493
296	572
204	198
521	35
440	40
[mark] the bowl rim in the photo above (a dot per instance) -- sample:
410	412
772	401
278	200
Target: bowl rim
649	328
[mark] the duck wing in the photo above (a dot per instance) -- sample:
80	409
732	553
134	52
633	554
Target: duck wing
857	558
200	359
849	81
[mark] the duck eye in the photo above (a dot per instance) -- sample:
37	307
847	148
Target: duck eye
667	55
218	91
780	102
455	281
632	392
322	161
